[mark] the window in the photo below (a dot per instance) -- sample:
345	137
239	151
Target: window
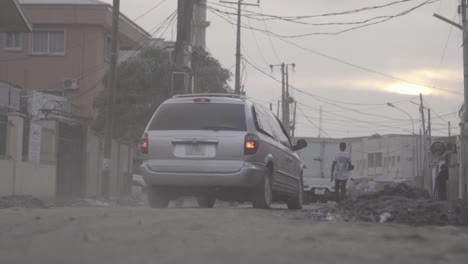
12	41
107	48
200	116
378	160
280	133
3	135
262	122
48	42
370	160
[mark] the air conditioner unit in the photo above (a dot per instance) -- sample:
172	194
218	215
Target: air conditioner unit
71	84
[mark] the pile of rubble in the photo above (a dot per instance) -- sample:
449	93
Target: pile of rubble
405	205
21	201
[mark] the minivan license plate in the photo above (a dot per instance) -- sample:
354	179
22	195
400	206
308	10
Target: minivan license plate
195	150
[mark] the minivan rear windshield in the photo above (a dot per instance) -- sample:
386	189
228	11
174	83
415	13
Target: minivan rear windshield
200	116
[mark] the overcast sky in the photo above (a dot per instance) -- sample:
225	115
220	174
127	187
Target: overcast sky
416	47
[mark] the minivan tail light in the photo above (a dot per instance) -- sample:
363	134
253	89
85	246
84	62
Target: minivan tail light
251	144
201	100
144	144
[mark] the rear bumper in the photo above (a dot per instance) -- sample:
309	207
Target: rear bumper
250	175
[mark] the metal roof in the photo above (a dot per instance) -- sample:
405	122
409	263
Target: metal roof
12	17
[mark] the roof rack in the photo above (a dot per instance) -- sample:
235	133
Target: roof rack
239	96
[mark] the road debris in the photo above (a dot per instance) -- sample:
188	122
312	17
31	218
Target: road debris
21	201
404	205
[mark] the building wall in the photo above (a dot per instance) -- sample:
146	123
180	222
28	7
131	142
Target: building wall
7	168
83	60
27	178
35	179
86	28
384	157
120	168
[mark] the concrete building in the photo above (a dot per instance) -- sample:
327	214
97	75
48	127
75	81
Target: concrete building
12	17
387	156
67	52
200	24
46	148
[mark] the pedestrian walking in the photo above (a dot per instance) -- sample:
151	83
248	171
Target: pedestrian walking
339	172
441	183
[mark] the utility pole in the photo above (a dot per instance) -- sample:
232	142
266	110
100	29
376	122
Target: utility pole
463	180
182	76
429	128
285	98
425	167
320	123
287	124
464	177
293	127
449	129
278	109
239	3
107	162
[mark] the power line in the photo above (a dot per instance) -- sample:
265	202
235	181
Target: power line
311	122
319	99
341	13
257	45
362	23
149	11
270	40
321	54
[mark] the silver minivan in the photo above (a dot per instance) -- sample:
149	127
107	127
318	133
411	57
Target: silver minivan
219	146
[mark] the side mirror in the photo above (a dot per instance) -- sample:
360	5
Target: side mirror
301	144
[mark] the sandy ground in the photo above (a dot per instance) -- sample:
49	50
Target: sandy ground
221	235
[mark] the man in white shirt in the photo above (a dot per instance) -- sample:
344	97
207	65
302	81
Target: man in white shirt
340	168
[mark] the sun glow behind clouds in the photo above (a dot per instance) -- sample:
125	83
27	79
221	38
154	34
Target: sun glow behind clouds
409	89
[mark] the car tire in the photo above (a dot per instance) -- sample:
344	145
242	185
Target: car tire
263	193
296	202
157	198
207	201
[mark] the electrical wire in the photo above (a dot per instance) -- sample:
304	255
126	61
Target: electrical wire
362	24
311	122
341	13
149	11
332	58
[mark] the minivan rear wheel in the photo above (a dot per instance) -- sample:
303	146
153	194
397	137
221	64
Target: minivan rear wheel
295	203
206	201
157	198
262	194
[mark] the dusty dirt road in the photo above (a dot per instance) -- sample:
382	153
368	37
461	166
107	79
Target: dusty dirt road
221	235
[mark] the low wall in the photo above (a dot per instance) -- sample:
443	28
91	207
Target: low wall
36	179
6	177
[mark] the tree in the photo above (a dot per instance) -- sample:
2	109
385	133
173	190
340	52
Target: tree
143	83
209	75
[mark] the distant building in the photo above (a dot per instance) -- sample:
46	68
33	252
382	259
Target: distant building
67	52
200	24
387	156
384	157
